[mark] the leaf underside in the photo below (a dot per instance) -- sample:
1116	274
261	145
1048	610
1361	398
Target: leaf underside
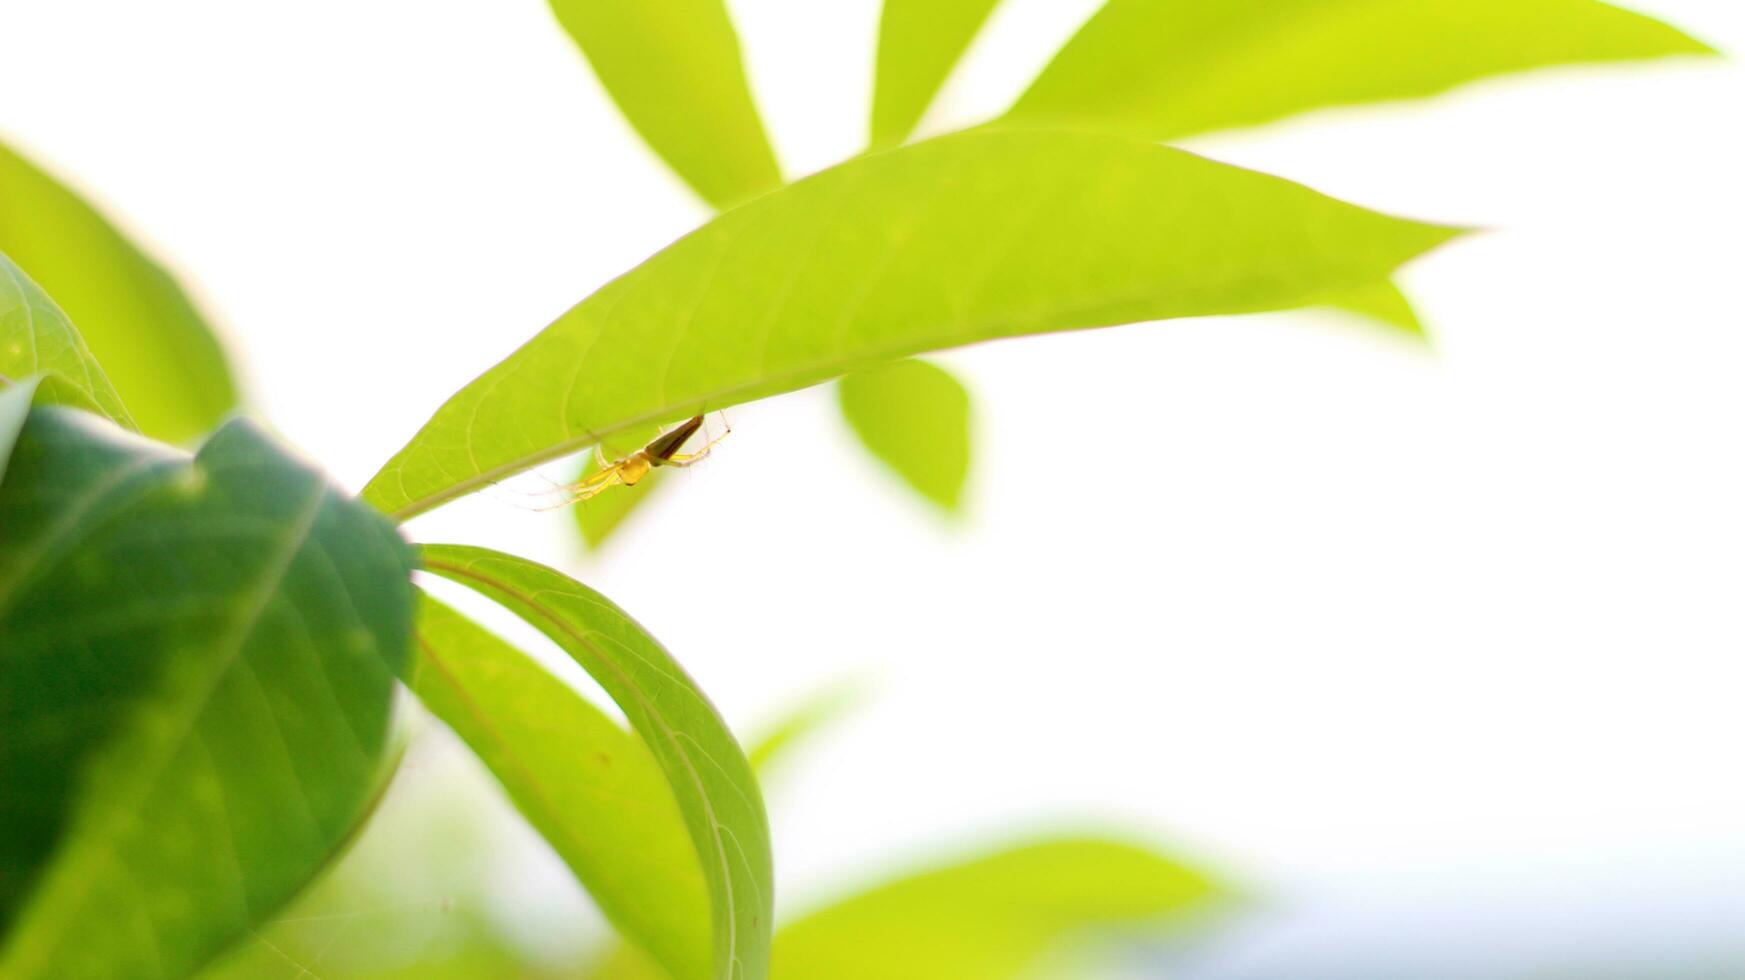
966	238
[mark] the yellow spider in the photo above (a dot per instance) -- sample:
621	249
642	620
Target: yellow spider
662	451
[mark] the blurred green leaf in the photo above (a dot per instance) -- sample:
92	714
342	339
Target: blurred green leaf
1163	70
993	917
1383	302
705	767
674	68
195	689
913	416
920	41
798	724
155	346
590	788
37	339
15	399
969	237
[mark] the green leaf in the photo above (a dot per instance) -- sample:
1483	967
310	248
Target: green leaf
15	399
992	917
966	238
920	41
704	766
592	789
913	416
157	349
1163	69
195	686
1383	302
674	68
37	339
986	918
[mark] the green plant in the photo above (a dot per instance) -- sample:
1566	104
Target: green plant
198	654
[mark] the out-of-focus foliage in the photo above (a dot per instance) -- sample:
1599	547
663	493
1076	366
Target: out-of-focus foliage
1383	302
704	766
674	68
590	788
15	402
920	41
994	917
195	681
37	339
155	346
965	238
1163	70
914	417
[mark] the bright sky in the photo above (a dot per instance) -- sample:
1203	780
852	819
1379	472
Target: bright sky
1356	614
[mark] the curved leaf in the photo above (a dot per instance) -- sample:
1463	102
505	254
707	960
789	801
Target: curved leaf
196	677
1164	69
965	238
37	339
920	41
155	346
704	766
913	416
992	917
590	788
674	68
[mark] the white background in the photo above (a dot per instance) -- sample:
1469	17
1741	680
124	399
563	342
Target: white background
1356	616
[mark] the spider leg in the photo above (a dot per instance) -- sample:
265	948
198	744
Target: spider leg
597	484
683	460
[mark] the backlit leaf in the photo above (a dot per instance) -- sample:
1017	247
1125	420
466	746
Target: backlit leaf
970	237
705	768
993	917
36	338
919	43
1166	69
674	68
913	416
139	324
590	788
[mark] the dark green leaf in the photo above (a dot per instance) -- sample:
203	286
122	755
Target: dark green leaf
914	417
704	766
965	238
674	68
157	349
592	789
196	675
1164	69
37	339
920	41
